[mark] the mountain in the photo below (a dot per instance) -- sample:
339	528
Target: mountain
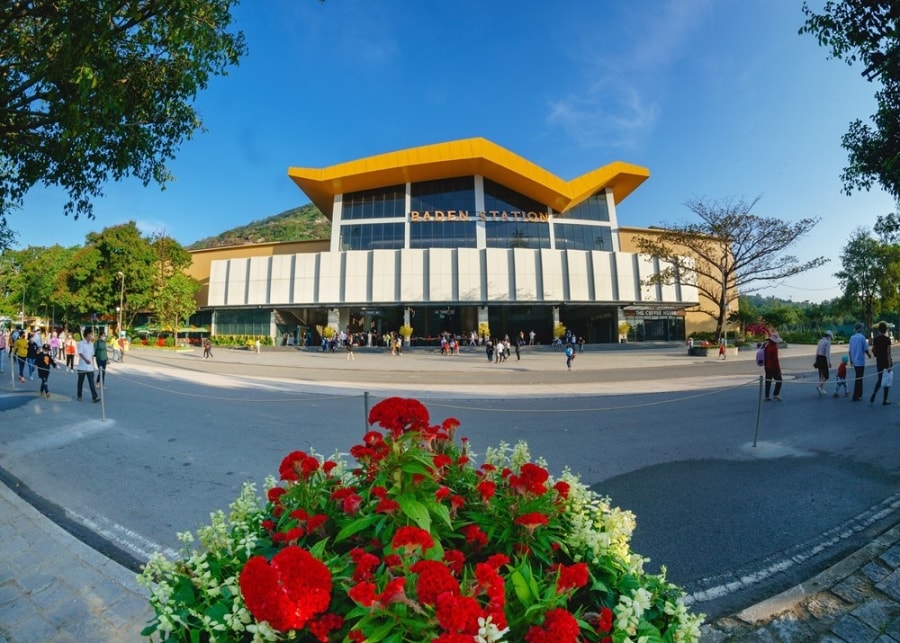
306	223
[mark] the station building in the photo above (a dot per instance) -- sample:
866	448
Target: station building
444	238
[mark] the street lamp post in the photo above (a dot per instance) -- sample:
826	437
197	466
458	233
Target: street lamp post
121	308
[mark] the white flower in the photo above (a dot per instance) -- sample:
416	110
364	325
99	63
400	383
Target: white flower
488	632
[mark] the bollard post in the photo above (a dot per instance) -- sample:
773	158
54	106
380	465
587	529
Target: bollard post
366	416
759	400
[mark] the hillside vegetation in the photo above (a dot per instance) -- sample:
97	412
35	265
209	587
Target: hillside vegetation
306	223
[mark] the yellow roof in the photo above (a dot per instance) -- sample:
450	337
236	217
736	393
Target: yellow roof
464	157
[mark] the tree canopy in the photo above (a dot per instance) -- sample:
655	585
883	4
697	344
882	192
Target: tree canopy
98	90
867	32
728	251
116	267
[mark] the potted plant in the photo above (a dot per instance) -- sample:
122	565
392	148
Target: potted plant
415	541
406	332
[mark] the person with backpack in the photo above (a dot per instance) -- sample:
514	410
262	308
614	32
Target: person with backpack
570	356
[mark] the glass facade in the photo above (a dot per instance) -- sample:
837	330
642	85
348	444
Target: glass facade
571	236
444	195
243	322
442	234
515	233
594	208
381	203
372	236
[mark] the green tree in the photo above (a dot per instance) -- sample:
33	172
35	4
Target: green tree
92	283
727	252
175	303
94	90
859	276
867	32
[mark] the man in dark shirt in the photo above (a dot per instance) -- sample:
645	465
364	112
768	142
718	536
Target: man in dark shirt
881	348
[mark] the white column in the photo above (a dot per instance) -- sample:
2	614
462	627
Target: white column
480	234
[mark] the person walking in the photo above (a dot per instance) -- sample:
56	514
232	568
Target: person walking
20	348
101	354
70	350
570	357
31	358
86	364
3	347
859	351
350	348
772	366
823	360
45	362
840	377
207	348
881	348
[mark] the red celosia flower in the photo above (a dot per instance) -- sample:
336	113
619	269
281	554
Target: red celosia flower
491	583
497	560
363	593
328	465
286	470
410	538
356	636
378	492
394	592
441	493
461	460
456	503
434	579
399	415
605	622
349	499
287	592
453	638
562	488
275	493
559	626
324	625
441	460
532	479
474	536
531	521
365	563
572	577
455	560
387	506
393	561
315	523
458	614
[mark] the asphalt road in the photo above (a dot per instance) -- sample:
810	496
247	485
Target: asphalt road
666	436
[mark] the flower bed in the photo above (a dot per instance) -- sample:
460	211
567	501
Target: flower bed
415	543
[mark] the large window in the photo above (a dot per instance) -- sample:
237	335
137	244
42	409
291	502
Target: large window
517	231
381	203
443	195
516	234
243	322
591	209
371	236
456	195
442	234
571	236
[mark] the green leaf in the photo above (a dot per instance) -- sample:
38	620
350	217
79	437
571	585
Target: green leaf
415	511
441	511
355	527
522	585
217	612
184	591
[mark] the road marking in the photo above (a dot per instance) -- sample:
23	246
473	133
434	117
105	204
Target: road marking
127	539
722	585
61	436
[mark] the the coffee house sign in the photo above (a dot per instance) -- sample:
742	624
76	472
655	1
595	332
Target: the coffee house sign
490	215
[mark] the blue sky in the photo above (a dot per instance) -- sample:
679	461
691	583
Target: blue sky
717	98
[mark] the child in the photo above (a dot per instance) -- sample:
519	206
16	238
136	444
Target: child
570	357
44	363
841	378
